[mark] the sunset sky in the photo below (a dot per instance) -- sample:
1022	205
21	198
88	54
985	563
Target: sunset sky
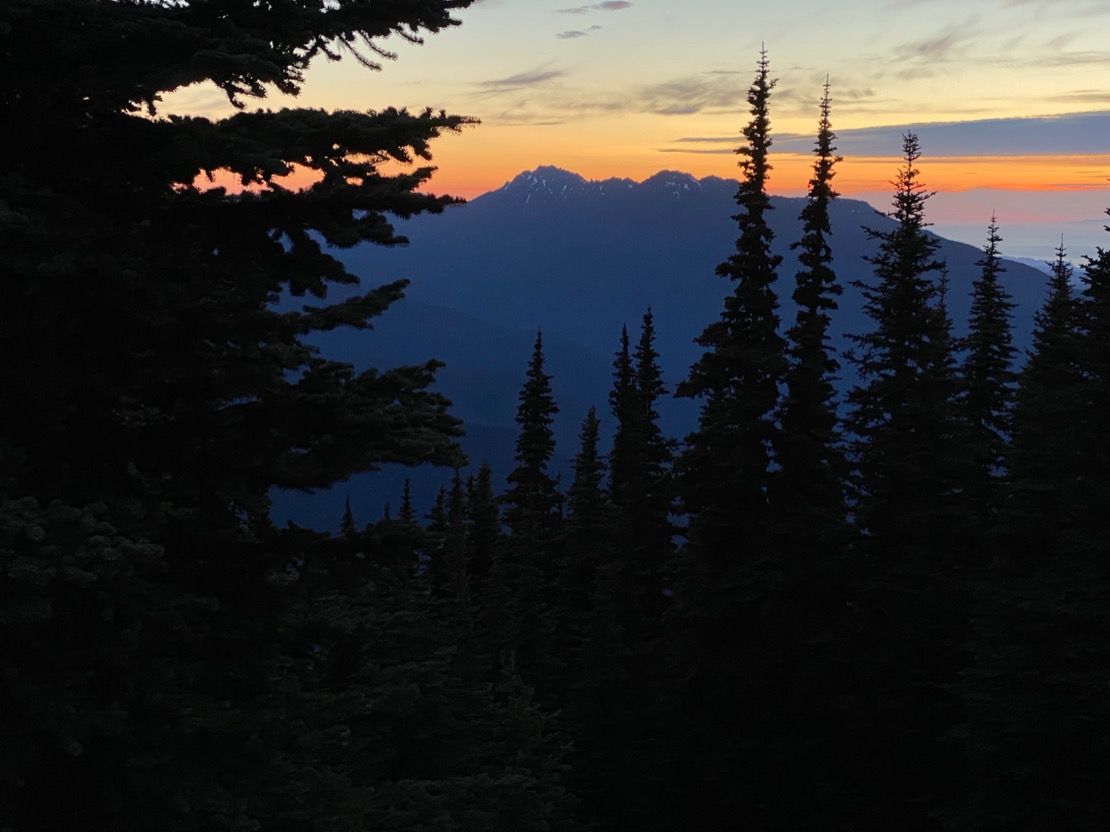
1010	98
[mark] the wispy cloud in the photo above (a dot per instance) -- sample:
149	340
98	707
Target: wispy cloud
942	46
531	78
605	6
576	33
699	151
550	95
1077	8
694	94
1089	97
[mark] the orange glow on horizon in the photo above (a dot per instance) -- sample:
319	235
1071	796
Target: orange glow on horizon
469	175
789	176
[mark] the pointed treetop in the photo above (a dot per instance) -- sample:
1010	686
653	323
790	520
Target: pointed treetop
754	162
990	259
347	524
825	150
909	193
535	413
406	513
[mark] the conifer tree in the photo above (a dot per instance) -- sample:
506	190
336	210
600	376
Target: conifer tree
182	663
987	380
641	484
1093	504
613	709
518	604
726	589
454	545
911	602
483	525
1046	450
727	458
347	522
900	413
532	500
653	506
589	616
808	490
589	519
623	404
1032	718
406	514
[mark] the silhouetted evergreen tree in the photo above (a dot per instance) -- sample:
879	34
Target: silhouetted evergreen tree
171	661
725	676
406	514
808	489
483	525
727	458
518	603
589	524
1093	501
629	531
454	545
987	382
911	601
1035	733
901	411
624	405
590	623
1046	449
642	488
654	500
347	522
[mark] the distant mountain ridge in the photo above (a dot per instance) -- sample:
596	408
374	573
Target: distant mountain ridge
551	183
578	259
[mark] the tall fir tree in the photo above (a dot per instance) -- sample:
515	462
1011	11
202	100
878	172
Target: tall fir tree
912	608
596	687
1046	448
1093	507
987	382
406	513
518	604
808	489
656	502
727	458
641	485
616	713
588	524
900	413
727	587
623	405
347	526
483	526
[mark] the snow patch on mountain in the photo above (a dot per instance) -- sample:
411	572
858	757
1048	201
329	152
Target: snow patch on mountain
548	183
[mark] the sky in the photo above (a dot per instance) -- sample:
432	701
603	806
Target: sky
1010	99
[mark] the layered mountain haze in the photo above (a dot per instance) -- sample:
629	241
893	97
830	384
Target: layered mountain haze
578	259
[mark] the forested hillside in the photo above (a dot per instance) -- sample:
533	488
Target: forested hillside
866	589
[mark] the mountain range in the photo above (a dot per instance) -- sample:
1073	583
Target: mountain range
579	259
